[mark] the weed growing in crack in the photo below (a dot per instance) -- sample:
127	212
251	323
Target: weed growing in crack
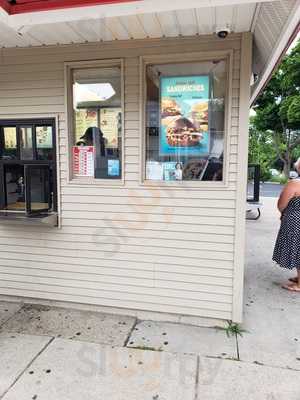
233	329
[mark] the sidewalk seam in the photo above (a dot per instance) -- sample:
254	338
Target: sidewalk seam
237	347
197	377
27	366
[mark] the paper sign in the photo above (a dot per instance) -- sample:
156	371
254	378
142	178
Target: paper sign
154	171
85	119
169	171
110	125
43	137
113	167
83	160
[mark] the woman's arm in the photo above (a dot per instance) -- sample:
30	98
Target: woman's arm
291	190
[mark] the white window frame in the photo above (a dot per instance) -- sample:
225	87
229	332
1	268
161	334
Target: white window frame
68	69
188	57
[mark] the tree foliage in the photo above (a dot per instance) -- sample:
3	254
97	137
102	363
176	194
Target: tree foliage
277	109
261	150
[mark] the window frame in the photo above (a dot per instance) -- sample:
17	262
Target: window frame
188	57
33	122
70	128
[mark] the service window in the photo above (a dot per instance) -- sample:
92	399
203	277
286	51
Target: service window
27	167
185	121
96	121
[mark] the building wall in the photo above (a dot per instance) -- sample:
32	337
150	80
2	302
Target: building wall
130	245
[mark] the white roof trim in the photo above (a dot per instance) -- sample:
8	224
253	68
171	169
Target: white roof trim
112	10
287	32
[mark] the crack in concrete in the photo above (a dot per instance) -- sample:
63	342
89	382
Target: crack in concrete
237	347
261	364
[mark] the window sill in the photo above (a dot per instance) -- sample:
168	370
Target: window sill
86	181
22	219
196	184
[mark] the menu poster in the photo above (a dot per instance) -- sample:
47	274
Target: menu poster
110	125
184	115
83	160
85	119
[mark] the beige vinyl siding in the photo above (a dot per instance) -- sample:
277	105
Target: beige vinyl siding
166	249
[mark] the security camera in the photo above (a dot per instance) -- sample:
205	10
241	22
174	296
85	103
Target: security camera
222	32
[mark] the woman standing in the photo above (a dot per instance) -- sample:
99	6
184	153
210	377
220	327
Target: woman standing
287	247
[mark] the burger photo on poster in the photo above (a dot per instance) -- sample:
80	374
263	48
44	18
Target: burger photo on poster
199	115
182	133
170	108
170	111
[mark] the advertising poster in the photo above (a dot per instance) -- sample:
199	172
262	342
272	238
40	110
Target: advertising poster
110	125
85	119
184	115
83	160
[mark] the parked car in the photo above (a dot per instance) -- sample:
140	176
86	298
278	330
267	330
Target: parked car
293	175
274	172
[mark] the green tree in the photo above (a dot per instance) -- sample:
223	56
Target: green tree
278	109
261	150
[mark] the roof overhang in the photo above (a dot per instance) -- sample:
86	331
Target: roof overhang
285	39
30	6
36	12
26	23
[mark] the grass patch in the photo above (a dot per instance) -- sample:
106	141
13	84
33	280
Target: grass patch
279	179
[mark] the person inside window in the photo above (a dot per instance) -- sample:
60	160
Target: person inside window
88	139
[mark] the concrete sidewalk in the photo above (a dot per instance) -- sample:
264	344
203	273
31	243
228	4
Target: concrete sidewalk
62	354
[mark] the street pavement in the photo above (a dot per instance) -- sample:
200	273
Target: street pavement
55	353
267	189
270	189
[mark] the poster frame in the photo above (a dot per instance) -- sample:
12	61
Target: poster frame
209	75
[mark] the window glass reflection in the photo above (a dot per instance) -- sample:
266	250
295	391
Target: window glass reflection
185	106
27	166
97	122
15	187
40	188
26	145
